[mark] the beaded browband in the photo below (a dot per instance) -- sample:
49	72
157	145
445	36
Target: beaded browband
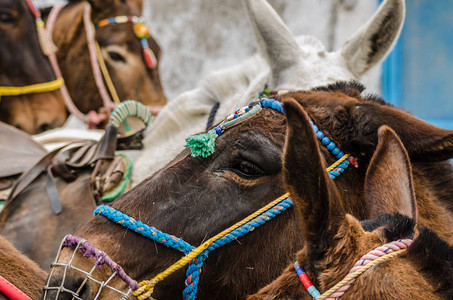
203	144
140	30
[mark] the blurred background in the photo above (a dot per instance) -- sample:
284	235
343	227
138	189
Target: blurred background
200	36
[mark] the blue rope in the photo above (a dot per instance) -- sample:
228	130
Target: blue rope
143	229
194	269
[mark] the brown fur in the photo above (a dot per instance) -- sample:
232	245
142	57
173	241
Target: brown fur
132	79
23	63
20	270
335	241
195	198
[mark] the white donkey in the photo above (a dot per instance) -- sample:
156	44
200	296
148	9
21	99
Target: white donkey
284	62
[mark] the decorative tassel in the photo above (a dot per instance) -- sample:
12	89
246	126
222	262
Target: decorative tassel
202	144
150	58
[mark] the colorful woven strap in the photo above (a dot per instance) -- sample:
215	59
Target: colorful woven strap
11	291
372	258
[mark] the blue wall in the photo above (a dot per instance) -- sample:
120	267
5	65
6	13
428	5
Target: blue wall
418	75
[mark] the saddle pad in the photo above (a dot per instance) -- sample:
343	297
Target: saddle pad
18	151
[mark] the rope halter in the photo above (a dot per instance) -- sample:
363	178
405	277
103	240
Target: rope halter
195	256
101	258
372	258
47	49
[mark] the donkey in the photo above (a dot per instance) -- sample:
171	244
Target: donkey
197	197
22	63
121	49
20	271
284	62
335	240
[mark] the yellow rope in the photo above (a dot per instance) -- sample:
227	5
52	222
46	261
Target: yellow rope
148	285
357	273
31	89
335	164
106	74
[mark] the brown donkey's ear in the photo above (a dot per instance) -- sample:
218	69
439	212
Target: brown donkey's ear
423	141
388	183
305	176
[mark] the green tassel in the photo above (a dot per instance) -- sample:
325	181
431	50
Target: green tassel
202	144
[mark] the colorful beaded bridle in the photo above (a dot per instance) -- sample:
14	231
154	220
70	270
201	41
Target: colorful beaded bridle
99	68
203	145
44	87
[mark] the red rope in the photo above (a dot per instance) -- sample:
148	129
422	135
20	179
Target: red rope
11	291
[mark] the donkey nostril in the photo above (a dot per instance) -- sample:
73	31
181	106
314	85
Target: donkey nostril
18	126
44	127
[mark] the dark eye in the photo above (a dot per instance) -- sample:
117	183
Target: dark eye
116	56
246	169
6	17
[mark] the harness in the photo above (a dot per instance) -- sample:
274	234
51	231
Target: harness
195	256
372	258
44	87
100	71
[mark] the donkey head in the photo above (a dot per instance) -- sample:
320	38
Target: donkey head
23	63
304	63
335	240
195	198
121	49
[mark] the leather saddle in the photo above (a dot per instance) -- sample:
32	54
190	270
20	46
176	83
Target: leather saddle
23	160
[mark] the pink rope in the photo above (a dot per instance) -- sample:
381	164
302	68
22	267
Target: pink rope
54	62
369	257
89	30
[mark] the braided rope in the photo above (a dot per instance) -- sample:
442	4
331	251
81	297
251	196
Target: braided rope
372	258
143	229
130	108
91	41
194	270
147	286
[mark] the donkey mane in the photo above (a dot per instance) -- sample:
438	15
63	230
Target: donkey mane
434	256
352	88
396	225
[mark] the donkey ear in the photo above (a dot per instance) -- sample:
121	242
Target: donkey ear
373	41
388	183
275	41
304	174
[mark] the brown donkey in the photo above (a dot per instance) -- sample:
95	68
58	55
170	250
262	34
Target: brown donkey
196	197
20	271
121	50
22	63
335	240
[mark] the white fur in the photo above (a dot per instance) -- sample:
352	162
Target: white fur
284	63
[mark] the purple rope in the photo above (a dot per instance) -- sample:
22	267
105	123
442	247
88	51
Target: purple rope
88	250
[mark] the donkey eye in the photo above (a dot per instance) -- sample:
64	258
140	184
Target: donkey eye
116	56
246	169
6	17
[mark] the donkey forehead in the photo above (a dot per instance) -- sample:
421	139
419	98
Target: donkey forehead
315	67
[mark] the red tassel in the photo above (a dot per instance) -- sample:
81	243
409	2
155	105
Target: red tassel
150	58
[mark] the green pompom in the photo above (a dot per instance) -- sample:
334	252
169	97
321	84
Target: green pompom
202	144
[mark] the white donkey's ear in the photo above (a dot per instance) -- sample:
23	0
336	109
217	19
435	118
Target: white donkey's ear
275	41
373	41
